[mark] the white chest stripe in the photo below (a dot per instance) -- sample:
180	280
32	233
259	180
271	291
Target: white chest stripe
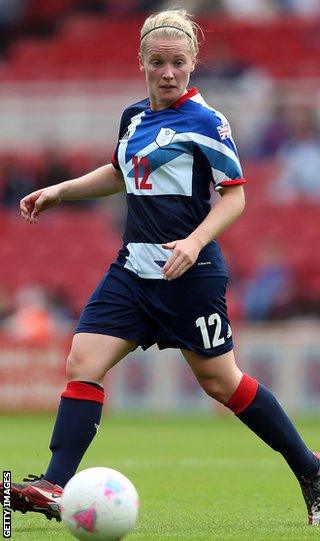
164	179
207	142
178	138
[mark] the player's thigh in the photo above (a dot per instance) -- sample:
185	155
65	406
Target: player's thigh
218	376
92	355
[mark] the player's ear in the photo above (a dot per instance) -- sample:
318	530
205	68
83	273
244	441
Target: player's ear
141	66
193	65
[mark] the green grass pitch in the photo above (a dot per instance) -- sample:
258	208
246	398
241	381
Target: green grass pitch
199	478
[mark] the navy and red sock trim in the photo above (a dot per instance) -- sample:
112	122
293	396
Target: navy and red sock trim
243	395
83	391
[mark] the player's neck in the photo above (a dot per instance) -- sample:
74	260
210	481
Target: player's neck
158	104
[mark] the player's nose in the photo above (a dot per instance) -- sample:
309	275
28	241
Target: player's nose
167	72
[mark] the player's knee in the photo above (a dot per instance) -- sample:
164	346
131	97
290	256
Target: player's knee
73	367
216	389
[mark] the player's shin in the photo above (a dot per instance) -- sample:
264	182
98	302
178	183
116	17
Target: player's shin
257	408
76	424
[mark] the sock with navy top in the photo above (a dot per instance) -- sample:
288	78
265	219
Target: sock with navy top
76	425
257	408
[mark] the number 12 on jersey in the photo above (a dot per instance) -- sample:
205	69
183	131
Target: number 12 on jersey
141	165
217	340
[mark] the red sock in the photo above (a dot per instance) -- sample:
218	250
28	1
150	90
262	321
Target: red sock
83	391
243	395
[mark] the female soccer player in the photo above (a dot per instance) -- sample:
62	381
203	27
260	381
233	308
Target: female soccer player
168	283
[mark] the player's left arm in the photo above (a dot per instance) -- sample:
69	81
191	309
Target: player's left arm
229	207
185	251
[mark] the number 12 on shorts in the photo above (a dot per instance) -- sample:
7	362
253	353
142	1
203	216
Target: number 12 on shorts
213	320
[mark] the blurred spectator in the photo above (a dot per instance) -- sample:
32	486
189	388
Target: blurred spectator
305	7
268	294
11	11
241	9
21	174
60	310
34	317
5	307
11	14
117	8
17	179
195	7
55	167
221	64
299	160
92	6
234	293
273	134
143	6
307	303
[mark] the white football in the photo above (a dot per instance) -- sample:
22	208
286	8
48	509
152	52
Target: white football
99	504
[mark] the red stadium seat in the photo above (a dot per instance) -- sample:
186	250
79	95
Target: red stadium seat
91	46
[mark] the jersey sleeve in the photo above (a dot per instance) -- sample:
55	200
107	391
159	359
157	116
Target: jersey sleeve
125	121
216	142
125	118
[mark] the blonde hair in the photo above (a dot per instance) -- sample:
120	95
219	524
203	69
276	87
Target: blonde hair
171	24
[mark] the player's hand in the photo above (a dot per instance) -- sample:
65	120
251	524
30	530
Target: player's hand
34	203
184	254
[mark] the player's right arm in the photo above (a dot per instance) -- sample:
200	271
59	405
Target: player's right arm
105	180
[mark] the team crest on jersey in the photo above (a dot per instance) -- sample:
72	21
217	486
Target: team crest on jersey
165	137
224	130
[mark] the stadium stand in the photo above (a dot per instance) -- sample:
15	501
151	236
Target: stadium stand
68	244
91	46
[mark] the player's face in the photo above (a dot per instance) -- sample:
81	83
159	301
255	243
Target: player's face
167	65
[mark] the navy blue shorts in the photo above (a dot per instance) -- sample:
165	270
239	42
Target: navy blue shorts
186	313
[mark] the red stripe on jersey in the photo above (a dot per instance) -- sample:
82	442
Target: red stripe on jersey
185	97
83	391
244	394
232	182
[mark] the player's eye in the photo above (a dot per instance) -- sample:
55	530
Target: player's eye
179	63
155	63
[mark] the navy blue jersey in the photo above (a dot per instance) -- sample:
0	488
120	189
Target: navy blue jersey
168	160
